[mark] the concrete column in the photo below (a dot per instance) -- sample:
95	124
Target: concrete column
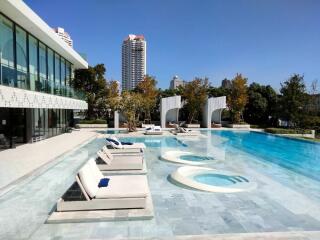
29	125
116	119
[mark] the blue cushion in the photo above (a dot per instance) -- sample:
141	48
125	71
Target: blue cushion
103	182
126	143
112	140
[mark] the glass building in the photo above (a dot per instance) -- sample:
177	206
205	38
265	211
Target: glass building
36	69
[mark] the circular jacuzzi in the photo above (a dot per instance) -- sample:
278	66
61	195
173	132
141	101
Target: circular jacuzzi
212	180
186	158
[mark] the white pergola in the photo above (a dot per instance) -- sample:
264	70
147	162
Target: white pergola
212	110
169	109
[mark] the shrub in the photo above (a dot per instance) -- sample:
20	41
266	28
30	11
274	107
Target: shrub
95	121
287	131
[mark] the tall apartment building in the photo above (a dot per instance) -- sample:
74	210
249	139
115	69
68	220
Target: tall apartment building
36	68
133	61
63	35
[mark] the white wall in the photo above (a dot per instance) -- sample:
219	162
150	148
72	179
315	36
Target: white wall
20	98
212	110
170	103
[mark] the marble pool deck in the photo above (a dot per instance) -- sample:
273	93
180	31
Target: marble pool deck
22	161
285	205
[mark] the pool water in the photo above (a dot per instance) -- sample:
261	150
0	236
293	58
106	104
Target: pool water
214	179
302	157
156	142
195	158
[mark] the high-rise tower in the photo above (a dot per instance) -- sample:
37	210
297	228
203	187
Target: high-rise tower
133	61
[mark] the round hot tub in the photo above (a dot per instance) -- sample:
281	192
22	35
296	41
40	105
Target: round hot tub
186	158
212	180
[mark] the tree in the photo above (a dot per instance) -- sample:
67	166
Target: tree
293	99
261	106
314	103
147	89
129	104
195	94
91	81
218	92
238	98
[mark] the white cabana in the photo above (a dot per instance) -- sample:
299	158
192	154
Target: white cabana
169	109
212	110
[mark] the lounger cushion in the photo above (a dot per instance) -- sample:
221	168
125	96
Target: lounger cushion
88	180
132	186
95	170
135	145
103	182
107	153
113	141
104	156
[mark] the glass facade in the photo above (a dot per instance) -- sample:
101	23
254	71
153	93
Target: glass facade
27	63
49	122
22	58
7	52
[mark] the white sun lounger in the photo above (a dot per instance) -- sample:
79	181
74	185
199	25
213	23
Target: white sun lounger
122	152
185	132
119	162
122	192
116	144
156	130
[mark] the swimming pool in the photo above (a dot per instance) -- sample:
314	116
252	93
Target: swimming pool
300	156
284	200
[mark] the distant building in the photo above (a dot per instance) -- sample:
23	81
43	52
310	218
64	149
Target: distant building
134	67
176	82
226	83
64	35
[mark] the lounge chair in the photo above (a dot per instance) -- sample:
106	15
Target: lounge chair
109	162
121	152
156	130
185	132
113	142
122	192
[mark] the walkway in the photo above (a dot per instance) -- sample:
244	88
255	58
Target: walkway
23	160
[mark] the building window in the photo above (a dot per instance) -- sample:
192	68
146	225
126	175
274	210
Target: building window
43	68
63	76
68	79
33	62
56	74
8	74
50	71
22	58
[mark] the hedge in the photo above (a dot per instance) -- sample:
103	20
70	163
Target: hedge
96	121
287	131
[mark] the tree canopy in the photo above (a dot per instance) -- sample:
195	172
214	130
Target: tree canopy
195	95
237	98
294	99
262	105
149	92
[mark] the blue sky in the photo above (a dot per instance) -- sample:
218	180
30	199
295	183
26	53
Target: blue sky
266	41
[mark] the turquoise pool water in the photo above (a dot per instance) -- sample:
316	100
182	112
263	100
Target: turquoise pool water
157	142
300	156
214	179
